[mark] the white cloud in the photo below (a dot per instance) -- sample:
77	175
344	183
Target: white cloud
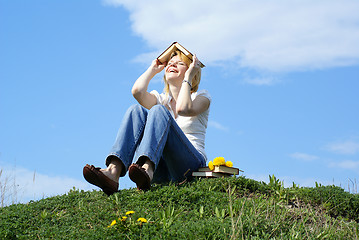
347	164
263	81
217	125
347	147
275	36
23	185
303	156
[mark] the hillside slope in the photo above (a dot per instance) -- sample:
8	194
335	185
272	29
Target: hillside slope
231	208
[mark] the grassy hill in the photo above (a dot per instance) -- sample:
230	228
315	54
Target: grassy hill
230	208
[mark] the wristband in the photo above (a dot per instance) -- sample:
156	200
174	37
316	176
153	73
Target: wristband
188	83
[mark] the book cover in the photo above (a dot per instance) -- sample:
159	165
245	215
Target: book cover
165	56
221	169
210	174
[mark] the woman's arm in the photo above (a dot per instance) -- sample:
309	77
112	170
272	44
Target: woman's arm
184	104
199	105
139	89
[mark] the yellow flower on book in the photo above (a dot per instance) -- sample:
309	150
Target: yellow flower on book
229	164
130	212
210	165
113	223
142	220
218	161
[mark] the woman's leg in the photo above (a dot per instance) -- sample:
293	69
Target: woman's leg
164	141
121	156
179	156
128	137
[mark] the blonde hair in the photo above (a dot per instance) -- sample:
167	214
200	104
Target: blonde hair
196	79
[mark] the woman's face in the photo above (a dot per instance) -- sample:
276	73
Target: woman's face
175	69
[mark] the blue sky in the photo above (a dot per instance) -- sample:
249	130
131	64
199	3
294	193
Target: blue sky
283	77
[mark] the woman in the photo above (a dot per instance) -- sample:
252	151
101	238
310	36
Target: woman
164	135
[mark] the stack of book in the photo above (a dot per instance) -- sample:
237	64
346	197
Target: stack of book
218	171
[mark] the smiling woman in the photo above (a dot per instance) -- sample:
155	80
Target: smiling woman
182	62
162	139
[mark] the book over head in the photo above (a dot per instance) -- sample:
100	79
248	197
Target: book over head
165	56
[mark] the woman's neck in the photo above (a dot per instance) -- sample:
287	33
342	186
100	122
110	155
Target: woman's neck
174	91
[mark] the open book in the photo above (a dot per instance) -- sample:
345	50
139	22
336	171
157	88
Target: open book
165	56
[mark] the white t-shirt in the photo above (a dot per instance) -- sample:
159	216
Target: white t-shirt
193	127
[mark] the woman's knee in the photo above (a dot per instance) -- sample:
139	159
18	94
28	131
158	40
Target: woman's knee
159	109
135	108
136	111
158	113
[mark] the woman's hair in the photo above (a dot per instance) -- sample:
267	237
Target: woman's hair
196	79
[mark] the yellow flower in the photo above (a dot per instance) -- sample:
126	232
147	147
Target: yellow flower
113	223
210	165
123	219
229	164
142	220
130	212
219	161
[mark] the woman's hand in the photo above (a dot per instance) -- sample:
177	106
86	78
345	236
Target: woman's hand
193	69
139	89
157	66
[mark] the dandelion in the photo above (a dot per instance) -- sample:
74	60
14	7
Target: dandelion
123	219
219	161
112	223
130	212
229	164
210	165
142	220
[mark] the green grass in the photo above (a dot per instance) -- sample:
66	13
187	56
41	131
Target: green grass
231	208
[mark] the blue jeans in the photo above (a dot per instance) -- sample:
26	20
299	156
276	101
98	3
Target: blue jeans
155	134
